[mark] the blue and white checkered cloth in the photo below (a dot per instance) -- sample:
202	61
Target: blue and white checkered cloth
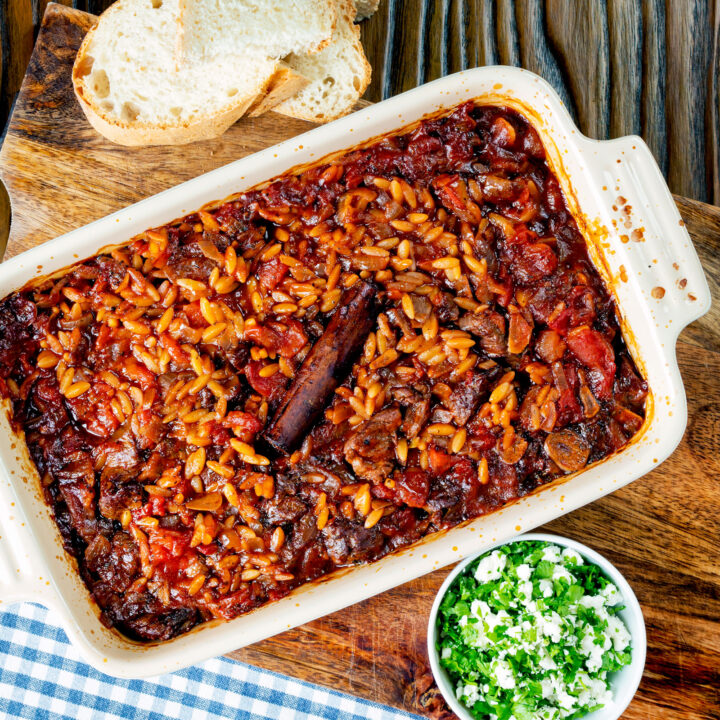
42	677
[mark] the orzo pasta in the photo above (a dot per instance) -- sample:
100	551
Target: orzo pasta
486	359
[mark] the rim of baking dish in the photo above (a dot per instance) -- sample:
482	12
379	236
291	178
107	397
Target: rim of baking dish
592	174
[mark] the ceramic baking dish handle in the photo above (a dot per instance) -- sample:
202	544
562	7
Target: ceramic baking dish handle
651	229
23	574
647	220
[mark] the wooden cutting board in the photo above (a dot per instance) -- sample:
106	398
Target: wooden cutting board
663	531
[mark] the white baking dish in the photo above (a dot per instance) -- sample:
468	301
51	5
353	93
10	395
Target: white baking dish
594	175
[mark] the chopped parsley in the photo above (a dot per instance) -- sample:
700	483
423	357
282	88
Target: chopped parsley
529	631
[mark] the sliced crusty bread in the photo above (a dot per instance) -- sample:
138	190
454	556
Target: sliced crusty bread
284	84
338	74
208	29
130	90
365	8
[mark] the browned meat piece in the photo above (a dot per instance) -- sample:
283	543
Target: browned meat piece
282	508
405	395
416	416
52	416
158	626
349	542
371	449
80	501
119	490
468	393
457	486
323	369
446	309
489	327
399	318
114	561
119	454
304	532
630	390
441	415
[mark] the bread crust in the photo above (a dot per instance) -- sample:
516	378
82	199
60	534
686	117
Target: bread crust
204	128
284	84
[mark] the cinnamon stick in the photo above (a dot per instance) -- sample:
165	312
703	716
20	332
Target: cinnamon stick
324	368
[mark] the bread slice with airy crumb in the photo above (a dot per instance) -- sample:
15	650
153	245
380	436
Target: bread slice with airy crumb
129	88
339	74
365	8
209	29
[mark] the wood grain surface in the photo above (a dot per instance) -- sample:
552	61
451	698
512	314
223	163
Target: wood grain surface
649	67
662	531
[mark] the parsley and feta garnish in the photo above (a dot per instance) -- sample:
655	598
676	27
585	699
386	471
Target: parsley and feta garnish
529	631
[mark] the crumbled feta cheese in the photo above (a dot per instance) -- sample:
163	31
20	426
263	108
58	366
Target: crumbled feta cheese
491	566
561	572
573	556
596	602
547	686
618	633
525	589
564	699
551	626
551	553
479	608
611	594
546	587
523	571
471	693
546	662
446	653
504	676
592	691
594	648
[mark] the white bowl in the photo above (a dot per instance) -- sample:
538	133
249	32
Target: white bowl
623	683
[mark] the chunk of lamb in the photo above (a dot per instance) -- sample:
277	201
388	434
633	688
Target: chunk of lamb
417	408
119	490
282	508
371	449
468	393
489	328
349	542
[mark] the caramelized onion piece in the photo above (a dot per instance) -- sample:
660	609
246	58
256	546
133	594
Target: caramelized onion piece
591	407
520	331
548	416
567	450
210	502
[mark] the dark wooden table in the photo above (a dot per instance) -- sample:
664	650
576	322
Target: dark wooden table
662	531
650	67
